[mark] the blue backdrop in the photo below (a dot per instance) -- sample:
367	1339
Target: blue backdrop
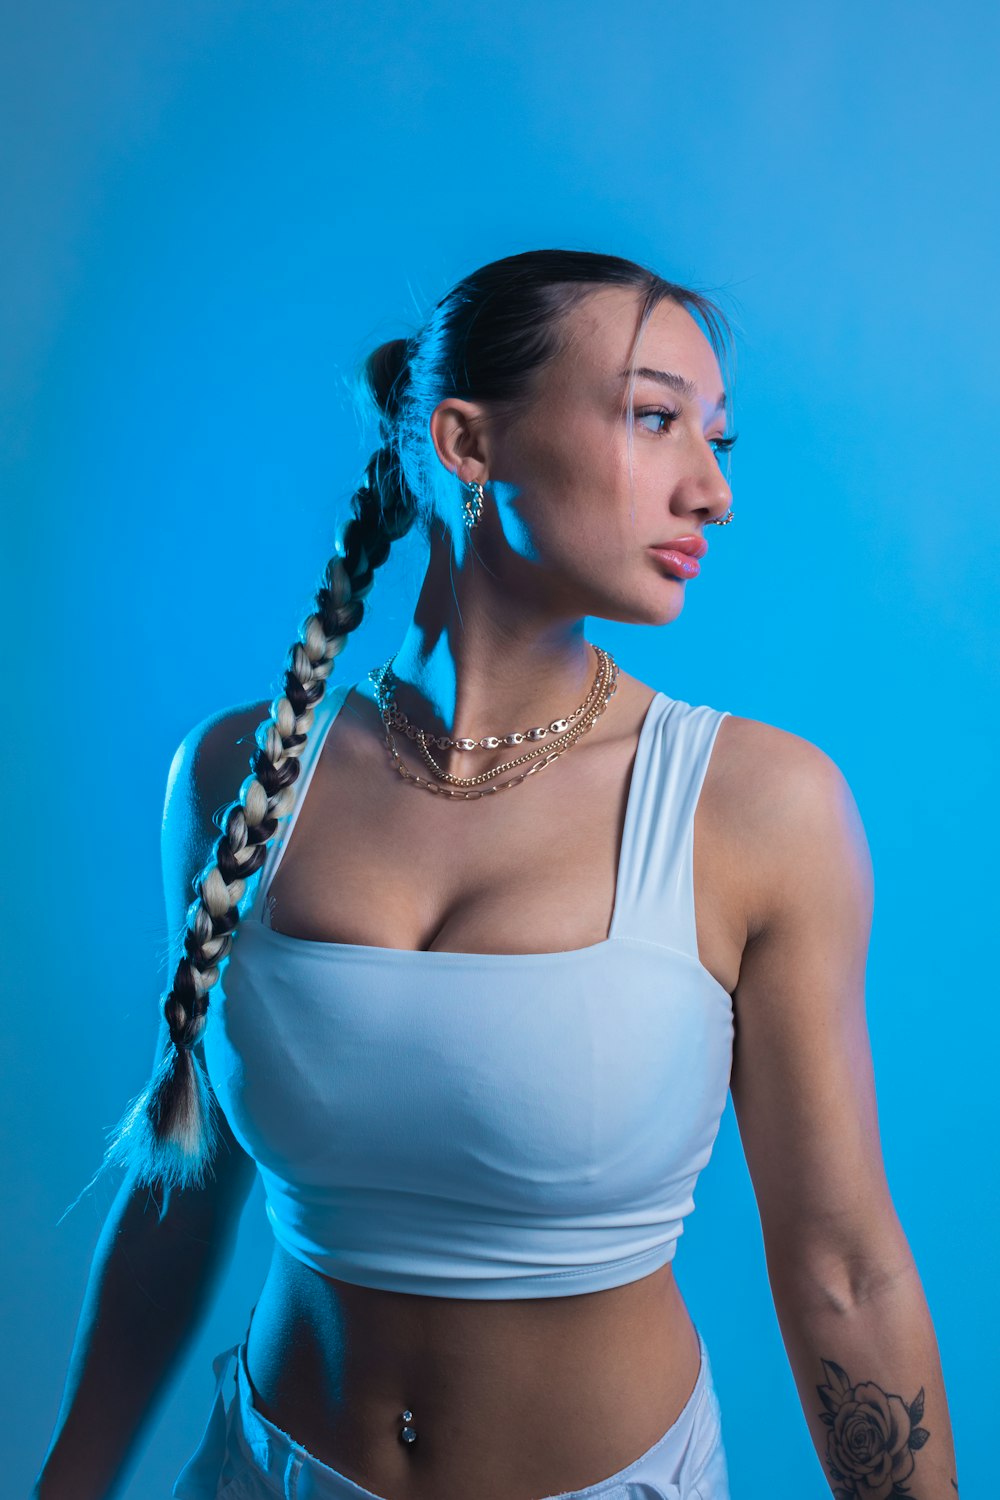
215	210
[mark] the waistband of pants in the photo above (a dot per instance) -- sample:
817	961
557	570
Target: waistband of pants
295	1474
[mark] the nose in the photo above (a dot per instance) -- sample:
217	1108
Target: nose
720	509
710	495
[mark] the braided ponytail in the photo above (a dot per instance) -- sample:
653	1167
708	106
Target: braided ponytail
169	1131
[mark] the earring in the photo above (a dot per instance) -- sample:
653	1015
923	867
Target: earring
472	504
725	520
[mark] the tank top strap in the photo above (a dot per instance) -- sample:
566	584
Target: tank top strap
324	713
655	900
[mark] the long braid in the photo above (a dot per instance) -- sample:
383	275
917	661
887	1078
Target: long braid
169	1133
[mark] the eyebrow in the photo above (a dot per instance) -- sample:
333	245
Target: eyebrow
676	382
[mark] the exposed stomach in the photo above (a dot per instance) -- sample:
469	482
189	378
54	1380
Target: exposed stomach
508	1398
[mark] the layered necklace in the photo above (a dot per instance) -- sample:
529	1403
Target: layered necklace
549	741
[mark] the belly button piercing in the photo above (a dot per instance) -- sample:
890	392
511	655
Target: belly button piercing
408	1434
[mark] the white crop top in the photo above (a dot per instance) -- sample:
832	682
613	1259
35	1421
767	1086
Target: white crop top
487	1125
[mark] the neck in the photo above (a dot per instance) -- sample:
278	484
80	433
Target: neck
481	658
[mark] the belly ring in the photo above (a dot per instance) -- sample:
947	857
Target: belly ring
408	1434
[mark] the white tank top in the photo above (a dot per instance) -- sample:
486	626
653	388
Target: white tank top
487	1125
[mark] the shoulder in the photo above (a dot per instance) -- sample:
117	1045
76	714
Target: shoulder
211	762
790	817
206	772
765	760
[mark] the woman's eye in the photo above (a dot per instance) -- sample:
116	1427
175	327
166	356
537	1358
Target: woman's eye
657	415
723	449
660	419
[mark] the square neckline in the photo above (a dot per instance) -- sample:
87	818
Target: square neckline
639	763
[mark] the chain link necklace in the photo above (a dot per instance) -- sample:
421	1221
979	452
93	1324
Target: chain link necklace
567	732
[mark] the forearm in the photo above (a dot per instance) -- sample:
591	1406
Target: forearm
868	1373
145	1296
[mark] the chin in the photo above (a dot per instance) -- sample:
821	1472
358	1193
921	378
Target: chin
655	609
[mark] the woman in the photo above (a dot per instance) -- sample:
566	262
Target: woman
479	1054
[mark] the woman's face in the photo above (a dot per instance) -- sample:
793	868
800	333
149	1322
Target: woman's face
561	521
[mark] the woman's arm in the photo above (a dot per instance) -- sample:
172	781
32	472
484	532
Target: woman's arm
153	1275
160	1256
848	1296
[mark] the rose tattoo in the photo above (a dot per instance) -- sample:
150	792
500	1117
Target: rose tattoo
873	1437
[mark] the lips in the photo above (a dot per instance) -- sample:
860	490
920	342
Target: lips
691	546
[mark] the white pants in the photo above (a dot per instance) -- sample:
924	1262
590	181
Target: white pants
242	1456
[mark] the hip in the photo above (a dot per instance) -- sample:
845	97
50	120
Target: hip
244	1456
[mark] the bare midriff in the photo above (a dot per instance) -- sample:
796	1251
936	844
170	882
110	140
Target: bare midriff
509	1398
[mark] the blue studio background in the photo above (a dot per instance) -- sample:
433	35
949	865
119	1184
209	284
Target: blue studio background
215	210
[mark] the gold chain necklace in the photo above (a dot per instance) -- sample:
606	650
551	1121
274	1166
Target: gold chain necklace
567	731
587	713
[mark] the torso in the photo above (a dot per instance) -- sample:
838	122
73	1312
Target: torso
512	1397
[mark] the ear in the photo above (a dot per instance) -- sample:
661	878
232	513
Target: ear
460	436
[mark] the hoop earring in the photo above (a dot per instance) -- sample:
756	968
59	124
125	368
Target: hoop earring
472	504
725	520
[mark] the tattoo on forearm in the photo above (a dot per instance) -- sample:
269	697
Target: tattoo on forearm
872	1439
